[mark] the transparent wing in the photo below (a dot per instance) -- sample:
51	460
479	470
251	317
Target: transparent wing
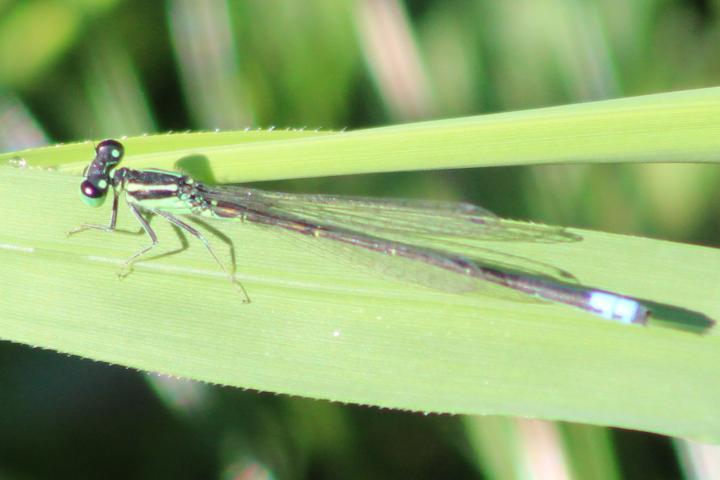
437	269
416	218
398	238
445	226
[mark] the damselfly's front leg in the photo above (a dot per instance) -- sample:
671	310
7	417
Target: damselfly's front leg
125	270
104	228
179	223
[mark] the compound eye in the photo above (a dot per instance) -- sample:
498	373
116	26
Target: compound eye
91	190
114	148
91	194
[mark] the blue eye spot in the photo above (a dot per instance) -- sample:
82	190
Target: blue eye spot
115	153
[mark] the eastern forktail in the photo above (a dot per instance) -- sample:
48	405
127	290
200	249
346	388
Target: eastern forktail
363	225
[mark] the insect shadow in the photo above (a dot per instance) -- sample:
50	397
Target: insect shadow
196	166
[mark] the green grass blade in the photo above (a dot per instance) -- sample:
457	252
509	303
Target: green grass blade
323	330
671	127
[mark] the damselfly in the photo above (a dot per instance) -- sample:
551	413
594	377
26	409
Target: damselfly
366	226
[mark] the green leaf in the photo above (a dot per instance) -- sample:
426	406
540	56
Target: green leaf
323	329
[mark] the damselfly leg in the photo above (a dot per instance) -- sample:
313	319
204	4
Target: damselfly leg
104	228
195	233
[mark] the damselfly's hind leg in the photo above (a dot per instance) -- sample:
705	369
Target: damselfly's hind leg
104	228
179	223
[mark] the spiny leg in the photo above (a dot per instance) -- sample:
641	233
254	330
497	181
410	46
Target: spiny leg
179	223
104	228
151	233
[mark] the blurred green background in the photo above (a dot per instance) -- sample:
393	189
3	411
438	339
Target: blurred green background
83	69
